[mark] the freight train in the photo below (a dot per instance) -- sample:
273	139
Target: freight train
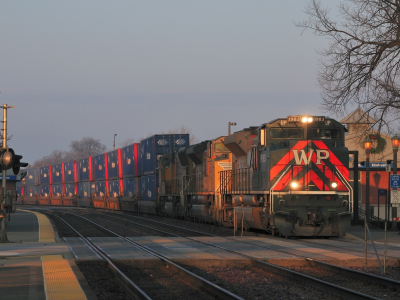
289	177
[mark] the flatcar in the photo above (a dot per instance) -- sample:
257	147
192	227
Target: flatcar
289	177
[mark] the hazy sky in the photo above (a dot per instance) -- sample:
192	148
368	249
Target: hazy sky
95	68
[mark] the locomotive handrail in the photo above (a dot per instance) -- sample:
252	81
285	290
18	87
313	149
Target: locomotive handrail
271	191
225	178
341	177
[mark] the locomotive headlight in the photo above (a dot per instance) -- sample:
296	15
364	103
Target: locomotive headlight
294	184
304	119
309	120
334	185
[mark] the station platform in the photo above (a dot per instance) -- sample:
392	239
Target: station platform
36	264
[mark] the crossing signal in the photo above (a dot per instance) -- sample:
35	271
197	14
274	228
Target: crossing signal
18	164
8	160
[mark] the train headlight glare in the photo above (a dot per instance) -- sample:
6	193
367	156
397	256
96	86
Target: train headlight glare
334	185
294	184
309	120
304	119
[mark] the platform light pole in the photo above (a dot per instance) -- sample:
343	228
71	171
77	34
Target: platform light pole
367	147
3	235
395	147
229	127
114	141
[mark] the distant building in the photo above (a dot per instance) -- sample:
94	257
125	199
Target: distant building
358	124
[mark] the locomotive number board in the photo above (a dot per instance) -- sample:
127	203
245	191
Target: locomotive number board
294	119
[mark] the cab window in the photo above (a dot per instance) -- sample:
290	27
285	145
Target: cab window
220	147
286	133
322	133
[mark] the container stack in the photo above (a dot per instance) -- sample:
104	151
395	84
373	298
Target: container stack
152	149
119	179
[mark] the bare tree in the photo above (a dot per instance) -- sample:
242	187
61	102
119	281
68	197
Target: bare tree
87	146
55	157
127	142
1	139
361	63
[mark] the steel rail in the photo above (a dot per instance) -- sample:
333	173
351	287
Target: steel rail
320	284
129	284
329	267
188	276
279	270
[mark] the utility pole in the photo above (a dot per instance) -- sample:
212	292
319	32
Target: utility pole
114	141
229	126
3	235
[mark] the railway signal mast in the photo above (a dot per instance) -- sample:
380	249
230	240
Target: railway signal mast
8	160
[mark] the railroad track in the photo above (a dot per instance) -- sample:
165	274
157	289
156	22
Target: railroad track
195	281
284	272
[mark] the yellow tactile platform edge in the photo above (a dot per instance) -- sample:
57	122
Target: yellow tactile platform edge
46	232
59	279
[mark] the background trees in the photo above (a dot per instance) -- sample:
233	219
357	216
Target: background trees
360	66
85	147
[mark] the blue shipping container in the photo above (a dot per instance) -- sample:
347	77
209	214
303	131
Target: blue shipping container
32	190
31	178
44	175
131	160
129	188
99	167
57	190
69	189
56	173
152	148
100	188
149	187
128	161
69	172
113	164
84	169
45	190
84	189
113	188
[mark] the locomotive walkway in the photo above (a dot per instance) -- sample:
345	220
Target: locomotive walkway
37	264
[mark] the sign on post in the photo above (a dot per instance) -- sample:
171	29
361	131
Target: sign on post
382	192
395	181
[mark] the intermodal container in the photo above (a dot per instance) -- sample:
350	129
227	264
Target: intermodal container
84	189
99	167
31	178
152	148
114	188
57	190
100	188
20	190
85	169
45	174
131	160
45	190
129	187
149	187
56	174
70	172
70	189
114	164
32	190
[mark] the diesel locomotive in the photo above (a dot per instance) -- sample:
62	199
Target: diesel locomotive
289	176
